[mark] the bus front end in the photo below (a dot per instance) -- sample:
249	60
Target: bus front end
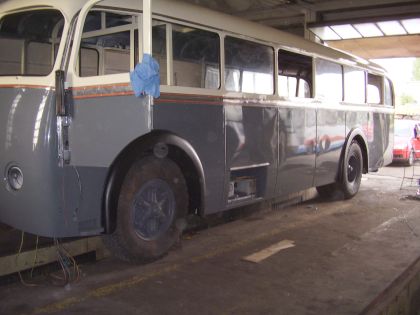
31	192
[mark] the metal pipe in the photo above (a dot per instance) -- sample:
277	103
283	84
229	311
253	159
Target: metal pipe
147	26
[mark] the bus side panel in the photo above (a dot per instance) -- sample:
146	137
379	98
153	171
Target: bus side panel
380	144
297	143
83	197
252	140
331	132
359	120
100	129
200	122
28	140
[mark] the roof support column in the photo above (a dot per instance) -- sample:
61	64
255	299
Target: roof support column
147	26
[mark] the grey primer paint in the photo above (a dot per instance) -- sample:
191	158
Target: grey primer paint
100	130
286	149
28	140
202	125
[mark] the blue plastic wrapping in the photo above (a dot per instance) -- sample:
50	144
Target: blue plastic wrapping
145	77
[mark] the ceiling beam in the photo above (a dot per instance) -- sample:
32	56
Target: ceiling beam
300	6
378	13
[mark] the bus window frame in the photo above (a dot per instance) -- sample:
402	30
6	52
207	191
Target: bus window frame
259	42
108	79
222	35
169	51
349	67
381	92
49	79
276	76
392	90
132	27
316	95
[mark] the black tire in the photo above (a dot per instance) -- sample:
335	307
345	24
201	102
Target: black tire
351	176
352	171
152	207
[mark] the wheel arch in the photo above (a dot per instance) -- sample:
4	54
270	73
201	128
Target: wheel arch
179	150
357	135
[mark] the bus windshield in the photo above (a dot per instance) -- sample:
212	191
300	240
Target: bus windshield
29	42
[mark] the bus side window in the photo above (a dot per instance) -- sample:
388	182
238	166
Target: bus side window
388	93
249	66
329	80
354	85
374	89
159	50
88	62
29	41
11	55
106	44
196	57
294	75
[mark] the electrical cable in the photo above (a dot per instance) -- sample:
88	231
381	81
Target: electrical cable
69	267
27	284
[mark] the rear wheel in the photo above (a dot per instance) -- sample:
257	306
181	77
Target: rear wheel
351	176
151	212
352	171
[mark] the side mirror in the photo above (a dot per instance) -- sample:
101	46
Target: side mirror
60	105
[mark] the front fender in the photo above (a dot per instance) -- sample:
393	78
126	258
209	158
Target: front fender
143	146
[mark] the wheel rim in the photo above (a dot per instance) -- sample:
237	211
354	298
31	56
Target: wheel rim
353	169
153	209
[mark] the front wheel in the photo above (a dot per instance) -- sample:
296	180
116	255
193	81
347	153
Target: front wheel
152	206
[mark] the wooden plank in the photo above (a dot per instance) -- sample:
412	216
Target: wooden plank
269	251
25	260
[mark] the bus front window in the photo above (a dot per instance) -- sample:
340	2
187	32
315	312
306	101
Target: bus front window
29	42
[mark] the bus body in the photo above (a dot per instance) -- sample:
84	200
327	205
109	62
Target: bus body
246	113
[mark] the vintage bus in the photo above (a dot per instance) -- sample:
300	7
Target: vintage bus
245	113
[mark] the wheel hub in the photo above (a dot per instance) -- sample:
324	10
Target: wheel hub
352	169
153	209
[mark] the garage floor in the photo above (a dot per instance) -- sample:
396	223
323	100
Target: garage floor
346	253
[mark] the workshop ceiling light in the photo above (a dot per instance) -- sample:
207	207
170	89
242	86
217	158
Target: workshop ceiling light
392	28
412	25
325	33
368	29
340	31
346	31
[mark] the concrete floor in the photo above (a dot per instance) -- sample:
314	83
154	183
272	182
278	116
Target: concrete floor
346	253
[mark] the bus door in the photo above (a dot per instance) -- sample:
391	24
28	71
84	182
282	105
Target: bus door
297	123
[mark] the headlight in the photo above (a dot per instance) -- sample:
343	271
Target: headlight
14	178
